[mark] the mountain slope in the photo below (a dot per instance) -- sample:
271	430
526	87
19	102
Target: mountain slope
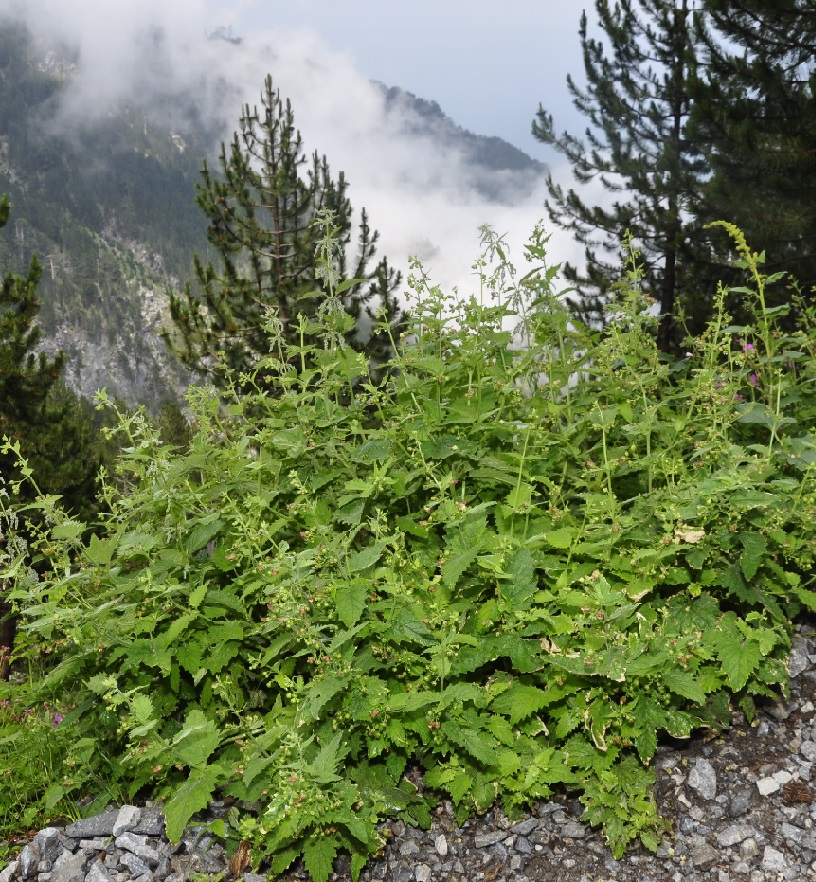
107	204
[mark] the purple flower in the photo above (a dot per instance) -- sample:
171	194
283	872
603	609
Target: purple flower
749	347
57	719
753	380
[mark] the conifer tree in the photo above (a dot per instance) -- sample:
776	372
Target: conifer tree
637	100
755	115
260	210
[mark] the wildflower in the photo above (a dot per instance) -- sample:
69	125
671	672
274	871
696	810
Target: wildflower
57	719
749	347
753	380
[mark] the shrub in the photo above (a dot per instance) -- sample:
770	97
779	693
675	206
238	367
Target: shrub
515	563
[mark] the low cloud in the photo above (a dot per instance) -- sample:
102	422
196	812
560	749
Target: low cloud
424	198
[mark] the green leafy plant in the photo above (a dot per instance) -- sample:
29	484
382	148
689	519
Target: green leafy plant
515	564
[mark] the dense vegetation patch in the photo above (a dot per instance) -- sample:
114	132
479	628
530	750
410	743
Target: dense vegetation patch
516	562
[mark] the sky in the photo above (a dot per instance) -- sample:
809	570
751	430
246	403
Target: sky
488	65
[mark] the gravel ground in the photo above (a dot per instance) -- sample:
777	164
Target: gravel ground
742	807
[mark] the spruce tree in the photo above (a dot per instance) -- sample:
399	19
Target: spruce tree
637	100
755	115
260	210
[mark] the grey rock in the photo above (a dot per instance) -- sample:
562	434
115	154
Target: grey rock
98	872
98	843
773	860
134	865
28	862
808	751
499	851
483	840
88	828
441	846
798	836
523	845
151	822
139	846
145	877
767	786
185	865
798	661
704	856
524	828
740	802
703	779
254	877
48	844
573	830
422	873
409	848
10	871
44	867
162	869
734	834
127	819
70	868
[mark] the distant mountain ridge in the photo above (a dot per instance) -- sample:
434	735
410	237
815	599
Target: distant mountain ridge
109	207
510	172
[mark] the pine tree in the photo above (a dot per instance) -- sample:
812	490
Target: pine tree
260	211
755	115
637	100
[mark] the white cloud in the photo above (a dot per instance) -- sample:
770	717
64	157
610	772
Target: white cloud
423	199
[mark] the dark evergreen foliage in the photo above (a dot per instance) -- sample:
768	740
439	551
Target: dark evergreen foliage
261	209
755	115
637	101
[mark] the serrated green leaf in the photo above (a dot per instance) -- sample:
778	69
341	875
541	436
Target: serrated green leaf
519	583
683	683
362	560
739	658
283	860
561	538
458	786
358	862
350	601
197	595
755	548
457	563
141	706
197	740
478	744
520	496
323	768
193	796
318	855
100	551
320	692
203	532
520	701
